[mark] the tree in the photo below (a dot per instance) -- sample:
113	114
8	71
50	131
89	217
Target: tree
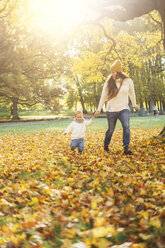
131	9
87	68
26	64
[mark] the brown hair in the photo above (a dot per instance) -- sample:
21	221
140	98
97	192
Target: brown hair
111	84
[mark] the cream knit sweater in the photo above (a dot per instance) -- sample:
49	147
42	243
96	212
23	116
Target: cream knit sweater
78	129
120	101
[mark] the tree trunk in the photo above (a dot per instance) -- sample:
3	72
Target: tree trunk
14	109
80	95
146	103
163	103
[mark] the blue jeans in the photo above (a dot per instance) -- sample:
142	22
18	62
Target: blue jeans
77	143
112	118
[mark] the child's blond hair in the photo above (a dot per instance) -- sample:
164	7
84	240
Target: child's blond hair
78	112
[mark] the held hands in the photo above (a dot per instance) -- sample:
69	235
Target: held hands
97	113
136	107
92	118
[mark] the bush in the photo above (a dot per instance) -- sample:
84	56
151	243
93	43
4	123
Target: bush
161	112
143	112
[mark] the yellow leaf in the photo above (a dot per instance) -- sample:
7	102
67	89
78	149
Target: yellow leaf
155	221
68	233
140	245
99	221
103	243
145	236
110	192
94	205
2	241
99	232
130	209
34	201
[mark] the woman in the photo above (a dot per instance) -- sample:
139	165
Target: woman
116	92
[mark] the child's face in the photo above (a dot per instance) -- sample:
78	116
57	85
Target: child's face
79	116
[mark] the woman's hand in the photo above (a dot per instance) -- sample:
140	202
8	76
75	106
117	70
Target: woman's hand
97	113
136	107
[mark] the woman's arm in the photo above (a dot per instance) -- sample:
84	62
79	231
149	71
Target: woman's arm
132	95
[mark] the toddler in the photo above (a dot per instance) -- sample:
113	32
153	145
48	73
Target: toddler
77	128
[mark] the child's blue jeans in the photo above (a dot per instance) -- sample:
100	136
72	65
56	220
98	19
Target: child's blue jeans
77	143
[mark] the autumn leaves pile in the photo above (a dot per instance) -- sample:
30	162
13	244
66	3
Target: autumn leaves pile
51	196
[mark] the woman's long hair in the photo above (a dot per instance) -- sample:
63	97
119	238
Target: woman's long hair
111	84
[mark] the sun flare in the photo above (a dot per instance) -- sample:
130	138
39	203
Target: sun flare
61	15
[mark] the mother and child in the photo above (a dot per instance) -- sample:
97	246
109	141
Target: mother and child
116	92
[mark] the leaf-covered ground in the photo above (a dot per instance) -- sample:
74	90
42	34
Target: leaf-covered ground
51	196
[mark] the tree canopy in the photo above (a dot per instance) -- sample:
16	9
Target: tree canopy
46	52
124	10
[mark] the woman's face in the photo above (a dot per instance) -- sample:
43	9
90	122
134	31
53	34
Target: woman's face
114	74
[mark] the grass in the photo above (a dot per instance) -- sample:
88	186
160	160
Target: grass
99	123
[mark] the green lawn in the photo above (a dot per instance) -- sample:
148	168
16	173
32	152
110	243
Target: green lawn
99	123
